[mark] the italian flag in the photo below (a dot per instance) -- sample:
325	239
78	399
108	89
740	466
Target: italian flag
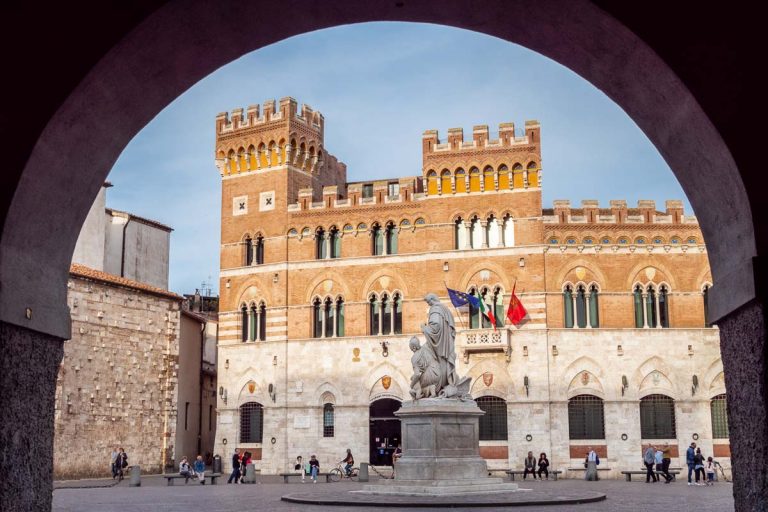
487	311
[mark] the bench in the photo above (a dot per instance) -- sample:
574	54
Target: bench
628	474
583	469
212	476
513	472
296	473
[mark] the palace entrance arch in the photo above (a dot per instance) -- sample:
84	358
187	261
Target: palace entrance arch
59	149
384	430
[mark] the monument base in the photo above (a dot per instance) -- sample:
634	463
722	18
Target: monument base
441	452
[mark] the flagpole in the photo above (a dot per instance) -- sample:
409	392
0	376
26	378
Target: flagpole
456	310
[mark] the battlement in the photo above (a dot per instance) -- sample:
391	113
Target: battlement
271	112
617	213
369	193
433	147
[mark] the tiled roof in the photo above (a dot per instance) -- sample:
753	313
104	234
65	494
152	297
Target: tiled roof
78	270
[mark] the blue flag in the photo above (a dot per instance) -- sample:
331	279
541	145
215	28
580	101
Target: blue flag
459	299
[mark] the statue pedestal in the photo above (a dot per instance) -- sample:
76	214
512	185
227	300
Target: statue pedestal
441	452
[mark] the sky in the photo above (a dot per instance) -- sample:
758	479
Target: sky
379	86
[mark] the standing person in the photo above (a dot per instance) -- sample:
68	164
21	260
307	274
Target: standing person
698	466
200	469
314	468
649	458
349	460
591	462
113	457
185	470
244	461
299	466
122	461
396	457
543	465
709	468
530	466
690	453
659	459
666	454
235	476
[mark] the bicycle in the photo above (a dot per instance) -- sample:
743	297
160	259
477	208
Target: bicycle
337	473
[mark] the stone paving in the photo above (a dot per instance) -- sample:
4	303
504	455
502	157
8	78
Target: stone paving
155	496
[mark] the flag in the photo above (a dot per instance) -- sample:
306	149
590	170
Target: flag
516	311
459	299
487	311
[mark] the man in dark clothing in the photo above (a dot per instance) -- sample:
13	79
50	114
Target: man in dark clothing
530	466
235	467
649	457
689	455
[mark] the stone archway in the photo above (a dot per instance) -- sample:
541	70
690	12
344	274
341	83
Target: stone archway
178	43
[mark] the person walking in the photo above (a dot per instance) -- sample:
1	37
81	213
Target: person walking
244	461
591	462
709	468
666	454
314	468
113	457
649	458
690	453
235	475
185	470
200	469
698	466
530	466
659	458
543	465
299	466
121	461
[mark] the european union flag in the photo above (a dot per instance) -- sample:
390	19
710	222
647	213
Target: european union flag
459	299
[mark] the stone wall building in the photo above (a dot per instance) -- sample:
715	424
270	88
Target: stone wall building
322	285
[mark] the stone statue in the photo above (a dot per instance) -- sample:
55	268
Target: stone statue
440	333
426	370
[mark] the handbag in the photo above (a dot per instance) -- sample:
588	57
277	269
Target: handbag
297	467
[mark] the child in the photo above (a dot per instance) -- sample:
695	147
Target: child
709	468
200	469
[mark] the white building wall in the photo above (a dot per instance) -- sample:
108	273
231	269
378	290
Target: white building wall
89	250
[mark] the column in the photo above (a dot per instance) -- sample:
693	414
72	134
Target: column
288	151
279	155
656	307
484	233
270	154
381	312
322	319
645	310
575	311
496	179
257	333
335	306
327	242
258	159
525	178
587	299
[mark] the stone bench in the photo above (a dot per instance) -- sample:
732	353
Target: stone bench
286	476
211	476
628	474
513	472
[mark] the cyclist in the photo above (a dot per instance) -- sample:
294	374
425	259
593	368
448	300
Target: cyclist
350	461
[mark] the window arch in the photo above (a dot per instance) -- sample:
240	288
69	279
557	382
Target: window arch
328	420
386	314
340	316
489	179
459	234
446	185
492	232
568	306
334	242
476	233
244	323
327	317
474	179
390	236
259	250
657	417
508	231
460	180
251	422
532	175
503	177
493	424
637	297
321	246
373	315
474	313
594	306
719	417
498	306
248	242
517	175
397	313
586	417
485	295
432	183
252	322
377	239
663	306
581	306
261	322
317	318
650	306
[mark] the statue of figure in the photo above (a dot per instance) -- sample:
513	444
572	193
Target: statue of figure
440	332
426	370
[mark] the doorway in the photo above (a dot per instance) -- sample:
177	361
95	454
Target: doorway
384	430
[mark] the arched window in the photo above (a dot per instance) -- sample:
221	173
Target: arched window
568	306
581	306
335	242
252	323
650	306
328	420
492	238
431	183
508	231
244	322
391	238
262	322
705	299
517	175
328	318
493	424
485	297
386	308
317	318
461	180
248	251
503	177
498	306
251	422
657	417
373	315
474	313
594	306
340	316
474	179
321	246
377	235
489	182
719	417
586	418
445	182
258	250
397	302
476	233
533	175
637	296
663	306
460	234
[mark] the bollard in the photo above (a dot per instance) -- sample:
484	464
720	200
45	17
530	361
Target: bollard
250	474
217	464
135	476
362	476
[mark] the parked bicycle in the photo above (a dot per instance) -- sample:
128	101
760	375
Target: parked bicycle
337	473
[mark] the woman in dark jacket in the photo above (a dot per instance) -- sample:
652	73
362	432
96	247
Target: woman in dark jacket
543	465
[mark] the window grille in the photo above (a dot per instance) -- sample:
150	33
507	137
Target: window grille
719	417
493	424
328	420
586	417
251	422
657	417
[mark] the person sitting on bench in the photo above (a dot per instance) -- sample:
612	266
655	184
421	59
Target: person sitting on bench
530	466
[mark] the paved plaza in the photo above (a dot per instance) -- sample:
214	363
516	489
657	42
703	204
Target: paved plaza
155	496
